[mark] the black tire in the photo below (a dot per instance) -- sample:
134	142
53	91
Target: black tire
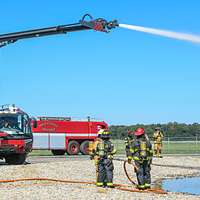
73	147
16	159
84	148
58	152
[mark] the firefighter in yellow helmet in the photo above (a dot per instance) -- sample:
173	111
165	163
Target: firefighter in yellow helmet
103	153
140	150
158	137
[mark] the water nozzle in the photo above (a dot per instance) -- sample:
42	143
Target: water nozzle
112	24
99	24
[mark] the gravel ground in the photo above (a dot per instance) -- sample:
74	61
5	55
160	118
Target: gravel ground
84	170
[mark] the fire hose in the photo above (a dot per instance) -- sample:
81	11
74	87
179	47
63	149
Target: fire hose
154	190
121	187
125	169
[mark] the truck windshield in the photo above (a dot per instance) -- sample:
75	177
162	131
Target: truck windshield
15	123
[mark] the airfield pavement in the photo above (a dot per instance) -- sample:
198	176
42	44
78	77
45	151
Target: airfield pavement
84	170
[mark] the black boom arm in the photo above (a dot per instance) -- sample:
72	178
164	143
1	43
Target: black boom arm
99	24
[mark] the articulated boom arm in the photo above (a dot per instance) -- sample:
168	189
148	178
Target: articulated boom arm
97	24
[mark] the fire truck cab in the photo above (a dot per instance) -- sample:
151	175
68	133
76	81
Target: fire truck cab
15	134
65	135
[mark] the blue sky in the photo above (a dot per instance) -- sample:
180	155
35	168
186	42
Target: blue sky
124	77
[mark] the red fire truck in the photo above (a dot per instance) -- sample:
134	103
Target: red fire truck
65	135
16	137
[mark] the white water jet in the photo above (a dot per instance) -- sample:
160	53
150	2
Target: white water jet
164	33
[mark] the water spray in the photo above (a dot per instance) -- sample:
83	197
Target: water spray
164	33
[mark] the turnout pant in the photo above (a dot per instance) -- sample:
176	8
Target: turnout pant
105	172
143	172
157	149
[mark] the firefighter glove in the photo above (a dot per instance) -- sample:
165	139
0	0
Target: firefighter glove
129	161
91	157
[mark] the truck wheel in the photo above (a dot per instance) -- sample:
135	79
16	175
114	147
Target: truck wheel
84	147
58	152
73	147
16	159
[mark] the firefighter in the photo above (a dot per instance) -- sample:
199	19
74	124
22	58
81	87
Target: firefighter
92	148
128	141
140	150
103	154
158	136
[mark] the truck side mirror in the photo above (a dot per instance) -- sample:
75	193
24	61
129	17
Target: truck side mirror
34	123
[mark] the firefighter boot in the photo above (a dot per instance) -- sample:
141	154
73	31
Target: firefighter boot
147	186
99	184
110	185
141	187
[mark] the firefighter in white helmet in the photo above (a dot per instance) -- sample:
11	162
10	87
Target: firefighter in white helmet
103	153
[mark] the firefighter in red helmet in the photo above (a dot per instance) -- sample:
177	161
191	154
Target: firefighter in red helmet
140	150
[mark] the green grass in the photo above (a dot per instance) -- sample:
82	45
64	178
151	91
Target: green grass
40	153
181	148
168	148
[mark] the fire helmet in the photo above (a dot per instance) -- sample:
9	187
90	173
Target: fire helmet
104	134
100	131
130	134
139	131
157	128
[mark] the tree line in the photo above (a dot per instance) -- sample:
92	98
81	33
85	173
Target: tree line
171	129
